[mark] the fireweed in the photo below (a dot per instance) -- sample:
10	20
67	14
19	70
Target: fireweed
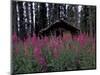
56	45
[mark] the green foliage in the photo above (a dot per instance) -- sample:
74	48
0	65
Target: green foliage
25	64
68	59
87	60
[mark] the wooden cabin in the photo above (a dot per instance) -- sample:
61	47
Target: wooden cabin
60	27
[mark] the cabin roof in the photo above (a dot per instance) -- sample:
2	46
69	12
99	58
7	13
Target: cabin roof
61	23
